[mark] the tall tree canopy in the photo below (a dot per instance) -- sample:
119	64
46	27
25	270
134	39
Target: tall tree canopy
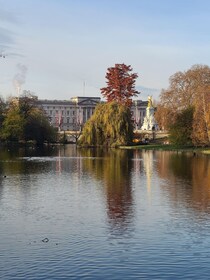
110	125
120	84
188	89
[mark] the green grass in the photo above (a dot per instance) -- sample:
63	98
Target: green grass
207	152
168	148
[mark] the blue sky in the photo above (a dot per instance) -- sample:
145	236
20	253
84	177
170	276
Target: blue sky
65	44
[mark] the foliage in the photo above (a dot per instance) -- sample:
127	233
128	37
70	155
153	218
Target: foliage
188	89
163	116
181	129
38	128
13	125
201	124
110	125
2	110
120	84
27	104
24	121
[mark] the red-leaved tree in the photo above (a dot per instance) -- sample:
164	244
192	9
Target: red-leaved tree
120	84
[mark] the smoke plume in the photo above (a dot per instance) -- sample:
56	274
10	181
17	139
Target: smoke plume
19	78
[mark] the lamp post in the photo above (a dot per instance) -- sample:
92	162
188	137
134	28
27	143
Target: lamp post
136	117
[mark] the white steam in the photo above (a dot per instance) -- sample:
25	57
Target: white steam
19	78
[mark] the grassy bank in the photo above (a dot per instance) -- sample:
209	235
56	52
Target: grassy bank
168	148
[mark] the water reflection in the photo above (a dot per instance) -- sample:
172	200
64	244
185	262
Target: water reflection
93	206
113	169
186	179
148	162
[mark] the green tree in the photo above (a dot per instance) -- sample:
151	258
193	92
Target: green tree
38	128
13	125
110	125
120	84
24	121
181	129
2	110
27	103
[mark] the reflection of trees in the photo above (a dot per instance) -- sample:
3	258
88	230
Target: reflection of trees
18	166
188	176
12	161
113	168
1	179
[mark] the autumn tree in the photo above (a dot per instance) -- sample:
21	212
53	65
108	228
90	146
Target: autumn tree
163	116
111	124
120	84
201	124
188	89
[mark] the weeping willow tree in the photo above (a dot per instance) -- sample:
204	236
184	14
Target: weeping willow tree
110	125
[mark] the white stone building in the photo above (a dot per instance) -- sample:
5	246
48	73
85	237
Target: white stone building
69	114
72	114
138	110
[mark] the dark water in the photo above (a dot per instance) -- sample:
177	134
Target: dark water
94	214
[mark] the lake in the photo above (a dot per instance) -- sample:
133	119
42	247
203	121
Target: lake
68	213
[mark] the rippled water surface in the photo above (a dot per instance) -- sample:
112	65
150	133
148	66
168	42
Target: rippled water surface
68	213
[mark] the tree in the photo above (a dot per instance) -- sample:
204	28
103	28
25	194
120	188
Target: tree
24	121
190	88
13	125
38	128
2	110
163	116
181	129
110	125
27	103
201	124
120	84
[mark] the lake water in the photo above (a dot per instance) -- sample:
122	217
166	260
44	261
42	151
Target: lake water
68	213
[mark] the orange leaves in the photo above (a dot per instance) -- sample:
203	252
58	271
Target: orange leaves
120	84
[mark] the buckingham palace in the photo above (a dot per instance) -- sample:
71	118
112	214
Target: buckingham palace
72	114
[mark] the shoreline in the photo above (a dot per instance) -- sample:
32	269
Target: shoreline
202	150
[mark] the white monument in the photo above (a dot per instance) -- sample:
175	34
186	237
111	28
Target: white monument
149	120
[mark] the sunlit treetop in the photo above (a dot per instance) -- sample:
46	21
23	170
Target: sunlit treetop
120	84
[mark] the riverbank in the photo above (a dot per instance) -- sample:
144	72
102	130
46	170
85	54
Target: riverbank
168	148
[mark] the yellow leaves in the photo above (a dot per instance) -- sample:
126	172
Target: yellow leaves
186	89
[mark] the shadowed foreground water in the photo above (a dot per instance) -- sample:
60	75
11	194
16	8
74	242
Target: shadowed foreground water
92	214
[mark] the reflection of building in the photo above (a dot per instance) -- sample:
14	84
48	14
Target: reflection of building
148	166
72	114
69	114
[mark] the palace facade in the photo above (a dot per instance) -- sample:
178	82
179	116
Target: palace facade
72	114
